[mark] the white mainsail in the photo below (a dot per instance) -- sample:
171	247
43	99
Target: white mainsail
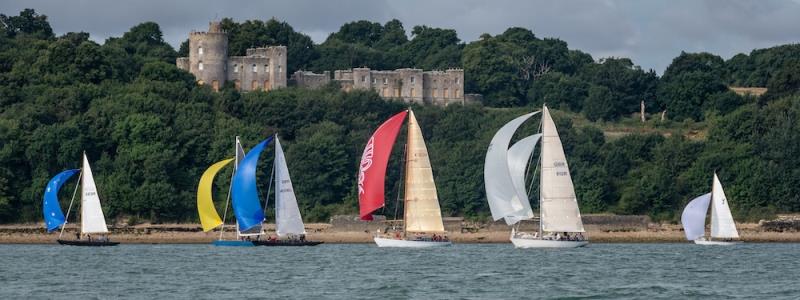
422	212
693	217
92	218
559	205
722	225
519	156
287	214
505	200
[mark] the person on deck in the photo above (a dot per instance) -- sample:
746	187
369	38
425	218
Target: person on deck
78	236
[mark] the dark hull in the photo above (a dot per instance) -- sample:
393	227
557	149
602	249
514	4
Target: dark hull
284	243
87	243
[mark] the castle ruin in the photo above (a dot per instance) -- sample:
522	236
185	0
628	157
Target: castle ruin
260	69
411	85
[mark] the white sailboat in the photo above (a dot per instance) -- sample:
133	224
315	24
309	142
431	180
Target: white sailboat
560	224
422	217
723	228
92	219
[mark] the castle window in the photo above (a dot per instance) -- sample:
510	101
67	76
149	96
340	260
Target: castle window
434	81
200	66
266	68
386	81
374	80
254	86
456	80
412	79
235	68
215	85
255	68
280	69
200	50
456	94
445	93
266	85
413	92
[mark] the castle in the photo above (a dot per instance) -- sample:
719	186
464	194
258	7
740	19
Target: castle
260	69
411	85
265	69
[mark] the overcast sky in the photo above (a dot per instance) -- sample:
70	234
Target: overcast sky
652	33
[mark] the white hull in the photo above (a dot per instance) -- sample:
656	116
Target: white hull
537	243
384	242
717	243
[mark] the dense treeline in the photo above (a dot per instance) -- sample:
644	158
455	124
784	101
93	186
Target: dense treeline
150	131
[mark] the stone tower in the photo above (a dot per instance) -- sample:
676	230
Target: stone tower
208	55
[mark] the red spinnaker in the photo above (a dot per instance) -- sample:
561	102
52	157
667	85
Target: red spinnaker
372	170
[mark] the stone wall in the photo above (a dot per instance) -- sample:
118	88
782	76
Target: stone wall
311	80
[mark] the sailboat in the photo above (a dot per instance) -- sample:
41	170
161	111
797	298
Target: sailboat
92	218
560	224
422	215
288	221
723	227
209	218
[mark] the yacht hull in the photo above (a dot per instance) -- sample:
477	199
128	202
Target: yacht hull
536	243
717	243
384	242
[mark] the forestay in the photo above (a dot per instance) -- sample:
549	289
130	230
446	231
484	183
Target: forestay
287	214
92	218
693	218
53	216
559	205
422	212
505	200
722	225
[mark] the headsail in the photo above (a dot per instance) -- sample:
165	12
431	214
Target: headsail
246	205
693	218
372	169
287	214
209	217
559	205
505	201
519	156
92	218
422	212
53	216
722	225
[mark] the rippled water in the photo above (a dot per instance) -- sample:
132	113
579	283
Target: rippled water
656	271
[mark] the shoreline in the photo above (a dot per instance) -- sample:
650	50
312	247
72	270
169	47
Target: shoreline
191	234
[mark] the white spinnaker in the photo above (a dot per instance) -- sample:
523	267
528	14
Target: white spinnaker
559	205
504	199
693	217
92	218
287	214
722	225
519	156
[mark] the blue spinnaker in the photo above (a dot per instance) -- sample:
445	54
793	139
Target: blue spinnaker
246	205
53	216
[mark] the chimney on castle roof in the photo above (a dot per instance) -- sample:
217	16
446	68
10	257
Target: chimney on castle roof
214	27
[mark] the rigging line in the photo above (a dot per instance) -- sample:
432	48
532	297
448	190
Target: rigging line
403	167
269	190
227	201
70	204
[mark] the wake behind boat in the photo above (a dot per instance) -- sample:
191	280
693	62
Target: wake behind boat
560	224
723	228
422	216
92	218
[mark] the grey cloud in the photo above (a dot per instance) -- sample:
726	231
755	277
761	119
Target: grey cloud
649	32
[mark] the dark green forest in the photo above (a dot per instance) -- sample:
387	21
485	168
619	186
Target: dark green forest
150	130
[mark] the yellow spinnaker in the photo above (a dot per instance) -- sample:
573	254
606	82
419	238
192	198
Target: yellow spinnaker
205	204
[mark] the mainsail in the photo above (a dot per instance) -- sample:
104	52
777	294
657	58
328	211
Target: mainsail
722	225
422	212
287	214
519	156
209	217
505	200
372	169
693	218
246	205
53	216
92	219
559	205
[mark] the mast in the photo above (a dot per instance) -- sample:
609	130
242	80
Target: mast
541	169
711	211
405	175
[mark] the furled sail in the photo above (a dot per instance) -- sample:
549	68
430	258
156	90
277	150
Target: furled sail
209	217
559	205
287	214
422	212
372	170
53	216
722	225
92	218
519	156
246	204
693	218
505	201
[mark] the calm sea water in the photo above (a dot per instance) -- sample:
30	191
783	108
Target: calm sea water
655	271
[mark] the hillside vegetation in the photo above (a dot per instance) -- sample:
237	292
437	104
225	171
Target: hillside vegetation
150	131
